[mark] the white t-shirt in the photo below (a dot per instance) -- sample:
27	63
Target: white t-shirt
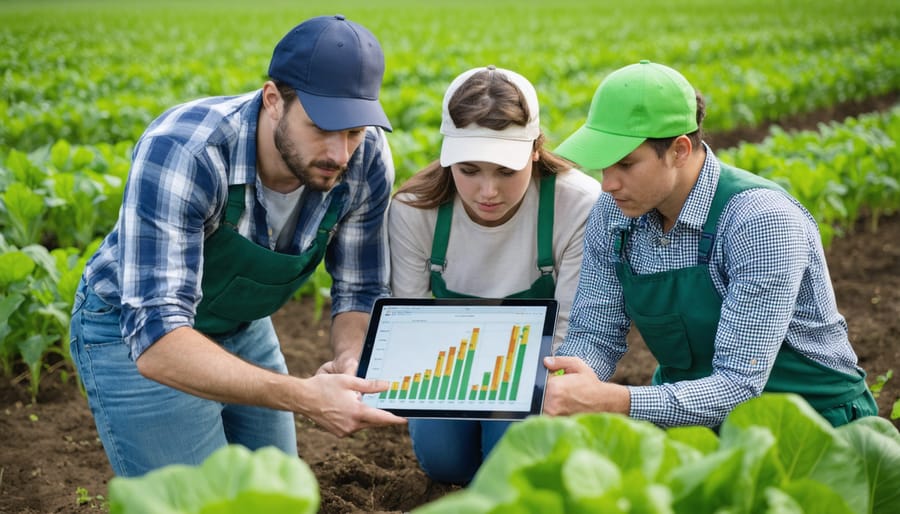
496	261
282	211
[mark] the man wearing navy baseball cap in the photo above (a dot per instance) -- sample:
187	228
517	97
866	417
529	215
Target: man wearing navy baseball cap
230	205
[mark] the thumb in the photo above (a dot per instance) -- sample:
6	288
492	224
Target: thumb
565	364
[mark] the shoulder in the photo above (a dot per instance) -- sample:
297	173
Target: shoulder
766	216
196	123
408	219
576	183
576	190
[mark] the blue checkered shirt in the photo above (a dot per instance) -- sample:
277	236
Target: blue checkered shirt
767	264
151	264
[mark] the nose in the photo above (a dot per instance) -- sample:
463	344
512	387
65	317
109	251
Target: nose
489	187
609	182
338	147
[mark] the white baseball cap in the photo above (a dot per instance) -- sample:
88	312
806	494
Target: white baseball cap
511	147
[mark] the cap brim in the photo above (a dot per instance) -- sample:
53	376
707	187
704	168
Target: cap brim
508	153
336	113
595	150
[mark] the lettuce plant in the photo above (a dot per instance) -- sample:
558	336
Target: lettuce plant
775	454
230	481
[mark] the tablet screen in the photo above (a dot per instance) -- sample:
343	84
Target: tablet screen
459	358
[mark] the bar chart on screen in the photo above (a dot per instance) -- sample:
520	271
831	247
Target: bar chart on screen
436	360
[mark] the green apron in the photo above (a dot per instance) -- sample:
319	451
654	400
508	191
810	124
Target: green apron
243	281
543	287
677	313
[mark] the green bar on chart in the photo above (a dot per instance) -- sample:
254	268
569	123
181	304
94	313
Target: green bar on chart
470	357
520	362
458	370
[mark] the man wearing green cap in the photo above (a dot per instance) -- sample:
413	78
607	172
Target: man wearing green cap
721	271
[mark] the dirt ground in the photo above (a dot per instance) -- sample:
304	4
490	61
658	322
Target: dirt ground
49	450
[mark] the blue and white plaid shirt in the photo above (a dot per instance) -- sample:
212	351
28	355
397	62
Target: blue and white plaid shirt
151	264
767	264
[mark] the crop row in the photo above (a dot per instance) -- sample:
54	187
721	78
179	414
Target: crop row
55	204
98	75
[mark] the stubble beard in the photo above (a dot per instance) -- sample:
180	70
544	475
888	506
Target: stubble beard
304	171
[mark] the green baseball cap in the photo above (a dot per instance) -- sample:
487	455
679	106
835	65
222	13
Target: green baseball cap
639	101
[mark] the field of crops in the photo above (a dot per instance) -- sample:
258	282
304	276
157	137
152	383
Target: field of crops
81	79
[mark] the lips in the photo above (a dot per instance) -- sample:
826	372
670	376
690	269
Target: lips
489	207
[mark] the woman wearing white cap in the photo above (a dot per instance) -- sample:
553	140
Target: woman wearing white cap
496	216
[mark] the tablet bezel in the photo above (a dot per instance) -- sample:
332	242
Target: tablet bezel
540	379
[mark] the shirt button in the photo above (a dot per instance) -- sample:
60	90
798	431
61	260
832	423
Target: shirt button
663	241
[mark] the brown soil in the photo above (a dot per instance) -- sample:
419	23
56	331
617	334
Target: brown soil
50	449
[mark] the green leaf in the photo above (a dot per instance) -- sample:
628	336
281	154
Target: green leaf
14	267
536	439
231	480
9	303
697	437
807	446
878	443
25	210
635	444
33	348
588	474
814	497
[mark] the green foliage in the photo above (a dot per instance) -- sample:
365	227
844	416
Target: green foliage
838	172
106	69
231	480
879	383
775	454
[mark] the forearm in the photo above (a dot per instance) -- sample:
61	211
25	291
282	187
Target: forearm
348	332
187	360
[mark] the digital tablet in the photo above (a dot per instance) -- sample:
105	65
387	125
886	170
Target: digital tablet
459	358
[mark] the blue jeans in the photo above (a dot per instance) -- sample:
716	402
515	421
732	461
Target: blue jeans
143	424
451	451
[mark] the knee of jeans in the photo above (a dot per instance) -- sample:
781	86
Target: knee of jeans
445	458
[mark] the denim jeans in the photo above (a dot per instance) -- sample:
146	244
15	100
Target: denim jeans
143	424
451	451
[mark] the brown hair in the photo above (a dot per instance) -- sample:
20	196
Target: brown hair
660	145
491	101
287	92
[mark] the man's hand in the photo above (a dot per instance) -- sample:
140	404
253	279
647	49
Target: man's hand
346	365
573	388
336	404
348	330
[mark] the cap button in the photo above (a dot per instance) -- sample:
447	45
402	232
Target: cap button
340	17
491	67
645	61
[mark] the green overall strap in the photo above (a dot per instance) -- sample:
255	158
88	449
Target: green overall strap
678	312
243	281
235	206
543	287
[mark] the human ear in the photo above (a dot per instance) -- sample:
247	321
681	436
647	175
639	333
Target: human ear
272	100
683	147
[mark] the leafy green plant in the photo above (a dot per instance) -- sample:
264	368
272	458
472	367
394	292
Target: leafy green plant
231	480
83	497
774	454
879	383
37	289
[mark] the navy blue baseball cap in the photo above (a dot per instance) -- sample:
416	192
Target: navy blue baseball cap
336	67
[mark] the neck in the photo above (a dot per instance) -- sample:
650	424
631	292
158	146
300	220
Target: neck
270	167
688	175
